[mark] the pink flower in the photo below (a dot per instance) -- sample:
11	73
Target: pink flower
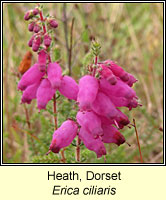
31	76
107	74
121	119
69	88
42	58
91	122
105	120
91	143
131	80
117	70
54	72
36	28
47	40
53	23
88	88
35	11
28	15
121	89
36	43
63	136
120	94
103	106
31	26
44	94
112	135
30	42
30	93
133	104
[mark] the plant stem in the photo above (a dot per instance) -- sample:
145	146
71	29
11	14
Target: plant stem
54	107
94	70
96	60
27	117
63	155
78	149
139	147
42	19
25	135
25	147
66	32
71	47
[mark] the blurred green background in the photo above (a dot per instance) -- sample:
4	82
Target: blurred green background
129	33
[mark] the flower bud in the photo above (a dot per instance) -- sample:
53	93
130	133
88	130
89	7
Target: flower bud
35	11
31	26
36	43
30	43
53	23
107	74
42	58
47	40
63	136
28	15
69	88
54	72
117	70
36	28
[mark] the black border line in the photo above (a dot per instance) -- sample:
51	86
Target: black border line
83	164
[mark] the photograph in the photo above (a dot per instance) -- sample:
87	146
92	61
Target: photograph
83	83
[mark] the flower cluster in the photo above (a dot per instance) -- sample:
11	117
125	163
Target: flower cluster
99	118
37	84
98	94
36	22
45	77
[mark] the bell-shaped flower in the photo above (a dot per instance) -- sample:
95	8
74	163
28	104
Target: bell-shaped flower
91	122
121	89
54	72
120	94
31	76
88	88
63	136
112	135
93	144
117	70
42	59
103	106
106	73
30	93
44	94
69	88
